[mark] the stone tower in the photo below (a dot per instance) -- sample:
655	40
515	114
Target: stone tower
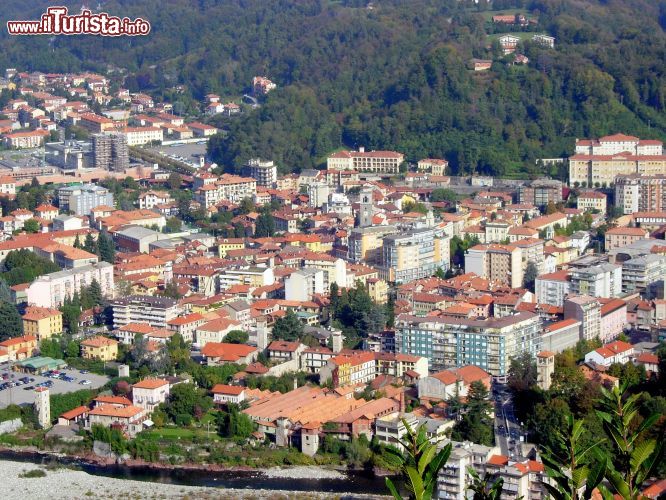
43	407
262	333
336	341
545	369
366	210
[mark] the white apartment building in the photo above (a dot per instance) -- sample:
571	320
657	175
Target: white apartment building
227	187
51	290
603	280
551	288
303	284
264	172
156	311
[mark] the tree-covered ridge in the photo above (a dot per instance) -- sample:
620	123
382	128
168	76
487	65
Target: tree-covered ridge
394	76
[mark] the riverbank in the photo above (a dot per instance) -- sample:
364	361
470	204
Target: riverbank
61	483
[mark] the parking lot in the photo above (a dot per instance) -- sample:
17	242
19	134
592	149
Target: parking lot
24	393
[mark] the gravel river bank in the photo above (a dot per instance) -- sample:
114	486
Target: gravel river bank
64	483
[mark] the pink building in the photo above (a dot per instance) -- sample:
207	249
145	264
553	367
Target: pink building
613	318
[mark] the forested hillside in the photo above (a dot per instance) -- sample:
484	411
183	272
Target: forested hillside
395	76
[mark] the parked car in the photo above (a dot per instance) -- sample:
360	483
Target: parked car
85	382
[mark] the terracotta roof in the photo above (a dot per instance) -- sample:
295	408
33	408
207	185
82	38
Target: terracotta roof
498	460
18	340
113	400
283	346
114	411
233	390
226	352
98	341
76	412
150	383
610	350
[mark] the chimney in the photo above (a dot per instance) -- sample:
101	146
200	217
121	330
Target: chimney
295	383
361	149
402	401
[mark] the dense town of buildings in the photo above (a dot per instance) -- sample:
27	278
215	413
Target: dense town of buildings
534	279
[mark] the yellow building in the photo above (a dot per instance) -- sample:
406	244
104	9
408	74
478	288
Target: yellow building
378	290
227	244
101	348
42	322
19	347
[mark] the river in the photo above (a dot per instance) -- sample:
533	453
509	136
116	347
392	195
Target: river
356	482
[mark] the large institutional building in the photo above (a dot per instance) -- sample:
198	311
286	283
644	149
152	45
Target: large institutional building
377	162
597	162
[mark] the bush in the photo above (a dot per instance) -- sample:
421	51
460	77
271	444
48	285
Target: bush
183	419
33	473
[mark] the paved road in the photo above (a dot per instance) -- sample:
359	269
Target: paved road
507	427
19	395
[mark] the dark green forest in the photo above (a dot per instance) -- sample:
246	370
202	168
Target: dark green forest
392	77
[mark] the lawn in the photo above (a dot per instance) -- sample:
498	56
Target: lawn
181	433
488	15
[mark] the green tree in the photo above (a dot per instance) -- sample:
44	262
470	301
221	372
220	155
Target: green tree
10	319
265	226
486	488
95	293
171	290
186	399
420	463
237	337
531	273
288	328
636	456
175	180
572	464
522	372
89	244
31	226
106	248
173	225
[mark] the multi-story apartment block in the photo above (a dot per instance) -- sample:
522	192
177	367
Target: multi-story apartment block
599	162
587	310
642	274
619	237
365	243
552	288
264	172
541	192
110	151
454	477
414	254
30	139
640	193
377	162
496	262
450	342
227	187
83	198
156	311
603	280
303	284
51	290
592	201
